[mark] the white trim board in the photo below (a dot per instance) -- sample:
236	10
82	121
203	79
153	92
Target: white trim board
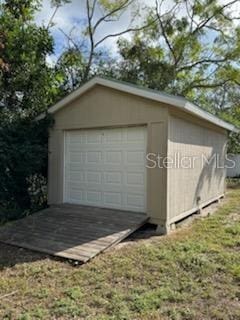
154	95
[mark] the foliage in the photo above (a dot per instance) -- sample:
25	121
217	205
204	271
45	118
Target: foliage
192	49
233	115
23	155
234	143
57	3
27	86
70	69
85	54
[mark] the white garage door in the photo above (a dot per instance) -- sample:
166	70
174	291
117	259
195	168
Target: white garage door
106	168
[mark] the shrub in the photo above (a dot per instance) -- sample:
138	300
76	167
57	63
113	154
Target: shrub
23	170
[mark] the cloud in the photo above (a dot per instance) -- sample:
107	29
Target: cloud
67	17
73	16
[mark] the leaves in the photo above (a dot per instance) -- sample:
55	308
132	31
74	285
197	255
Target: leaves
25	78
27	87
58	3
199	48
23	154
70	69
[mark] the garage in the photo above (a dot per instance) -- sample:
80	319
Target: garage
101	136
106	168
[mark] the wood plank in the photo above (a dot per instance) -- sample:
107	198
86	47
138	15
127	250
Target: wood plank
122	220
50	252
98	242
73	232
66	232
84	238
64	226
118	215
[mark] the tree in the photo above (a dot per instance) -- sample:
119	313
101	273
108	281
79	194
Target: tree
27	87
26	81
23	157
85	53
232	114
192	49
70	69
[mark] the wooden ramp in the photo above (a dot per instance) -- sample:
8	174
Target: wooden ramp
72	232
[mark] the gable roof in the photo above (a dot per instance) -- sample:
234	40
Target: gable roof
176	101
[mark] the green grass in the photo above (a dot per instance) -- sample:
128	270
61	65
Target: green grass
192	274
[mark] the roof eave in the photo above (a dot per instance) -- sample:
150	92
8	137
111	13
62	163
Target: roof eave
191	108
69	98
147	94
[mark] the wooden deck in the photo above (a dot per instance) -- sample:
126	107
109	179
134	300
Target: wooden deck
72	232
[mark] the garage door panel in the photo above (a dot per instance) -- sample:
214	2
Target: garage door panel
132	202
114	177
106	168
78	157
74	138
93	196
113	136
93	177
135	157
113	199
94	157
135	179
84	186
94	137
123	188
76	176
134	135
76	196
113	157
74	147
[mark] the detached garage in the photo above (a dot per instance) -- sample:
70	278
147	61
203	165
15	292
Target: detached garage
123	147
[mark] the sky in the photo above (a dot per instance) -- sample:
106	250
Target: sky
73	15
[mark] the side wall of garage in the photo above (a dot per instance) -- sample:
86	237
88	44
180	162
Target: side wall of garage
103	107
192	182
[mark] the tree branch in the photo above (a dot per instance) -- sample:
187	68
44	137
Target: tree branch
202	24
205	85
69	38
163	31
212	61
93	9
91	32
122	33
124	5
211	27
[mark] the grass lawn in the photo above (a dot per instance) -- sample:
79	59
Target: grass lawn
192	274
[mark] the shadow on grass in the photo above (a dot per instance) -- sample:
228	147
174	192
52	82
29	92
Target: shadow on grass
233	183
11	256
145	232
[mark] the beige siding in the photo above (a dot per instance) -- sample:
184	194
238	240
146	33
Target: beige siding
103	107
188	138
55	166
